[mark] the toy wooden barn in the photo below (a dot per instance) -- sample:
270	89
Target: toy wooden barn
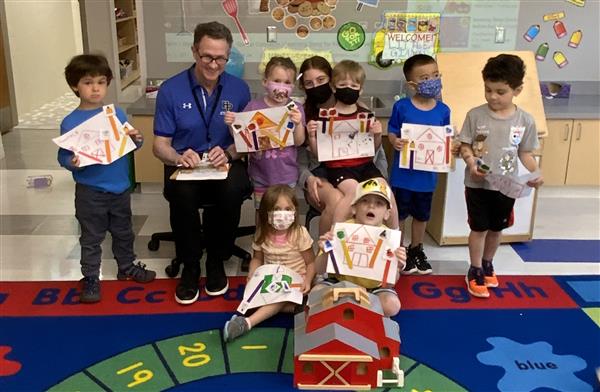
342	341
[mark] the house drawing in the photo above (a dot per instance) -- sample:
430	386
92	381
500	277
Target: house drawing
361	245
364	251
342	138
342	341
427	147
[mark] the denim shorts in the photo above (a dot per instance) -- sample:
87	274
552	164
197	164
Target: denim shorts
415	204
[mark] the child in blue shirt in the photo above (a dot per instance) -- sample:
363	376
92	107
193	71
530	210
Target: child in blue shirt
413	189
102	196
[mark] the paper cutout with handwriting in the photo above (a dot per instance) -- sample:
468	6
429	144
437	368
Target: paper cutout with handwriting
271	283
513	187
101	139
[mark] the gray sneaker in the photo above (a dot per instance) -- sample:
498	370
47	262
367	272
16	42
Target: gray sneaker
90	292
138	273
235	328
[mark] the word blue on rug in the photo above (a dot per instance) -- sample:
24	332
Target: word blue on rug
564	251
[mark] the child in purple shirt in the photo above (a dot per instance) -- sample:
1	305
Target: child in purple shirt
276	166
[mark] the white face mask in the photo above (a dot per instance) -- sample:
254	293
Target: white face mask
281	220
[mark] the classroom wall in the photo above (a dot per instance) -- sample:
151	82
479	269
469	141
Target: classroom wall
43	37
468	25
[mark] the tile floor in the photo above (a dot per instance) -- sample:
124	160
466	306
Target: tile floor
39	233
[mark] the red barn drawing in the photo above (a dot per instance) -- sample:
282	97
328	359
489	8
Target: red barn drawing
430	148
343	342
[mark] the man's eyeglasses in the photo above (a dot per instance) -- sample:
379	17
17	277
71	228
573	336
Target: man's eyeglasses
206	59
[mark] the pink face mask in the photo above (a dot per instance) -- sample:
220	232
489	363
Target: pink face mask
280	92
281	220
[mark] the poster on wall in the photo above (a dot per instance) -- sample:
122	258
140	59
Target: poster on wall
403	35
469	25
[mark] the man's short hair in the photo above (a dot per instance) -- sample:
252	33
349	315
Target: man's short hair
506	68
214	30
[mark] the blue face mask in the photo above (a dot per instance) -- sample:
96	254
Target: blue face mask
430	88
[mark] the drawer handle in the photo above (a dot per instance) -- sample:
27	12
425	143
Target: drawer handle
578	131
566	132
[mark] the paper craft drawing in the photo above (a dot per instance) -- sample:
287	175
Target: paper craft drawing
264	129
428	147
271	283
514	187
101	139
364	251
204	171
344	137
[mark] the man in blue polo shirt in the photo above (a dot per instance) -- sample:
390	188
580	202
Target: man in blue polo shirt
187	123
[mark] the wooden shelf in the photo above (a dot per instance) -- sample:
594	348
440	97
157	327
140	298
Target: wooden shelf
125	48
133	76
125	19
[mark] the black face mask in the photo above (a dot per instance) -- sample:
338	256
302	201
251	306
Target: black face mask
347	95
319	94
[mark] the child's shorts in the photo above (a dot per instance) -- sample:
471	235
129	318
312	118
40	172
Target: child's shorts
335	175
330	281
415	204
488	210
259	191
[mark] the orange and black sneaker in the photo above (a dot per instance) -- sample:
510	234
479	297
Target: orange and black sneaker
489	275
476	283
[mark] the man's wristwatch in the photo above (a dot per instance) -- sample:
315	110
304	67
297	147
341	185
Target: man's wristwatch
228	155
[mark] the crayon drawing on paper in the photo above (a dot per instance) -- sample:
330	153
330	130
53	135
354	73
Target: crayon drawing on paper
427	147
263	129
344	137
102	139
271	283
364	251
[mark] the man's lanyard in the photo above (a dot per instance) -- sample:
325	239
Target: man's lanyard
214	105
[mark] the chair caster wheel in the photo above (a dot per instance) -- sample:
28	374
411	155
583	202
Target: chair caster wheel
245	266
172	270
153	245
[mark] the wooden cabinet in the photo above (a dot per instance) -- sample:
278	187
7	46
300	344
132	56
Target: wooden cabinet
148	168
570	152
126	33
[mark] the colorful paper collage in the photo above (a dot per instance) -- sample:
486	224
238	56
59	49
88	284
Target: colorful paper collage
271	283
102	139
344	137
403	35
364	251
264	129
562	28
427	148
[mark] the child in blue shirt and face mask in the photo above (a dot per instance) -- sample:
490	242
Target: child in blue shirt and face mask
413	189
